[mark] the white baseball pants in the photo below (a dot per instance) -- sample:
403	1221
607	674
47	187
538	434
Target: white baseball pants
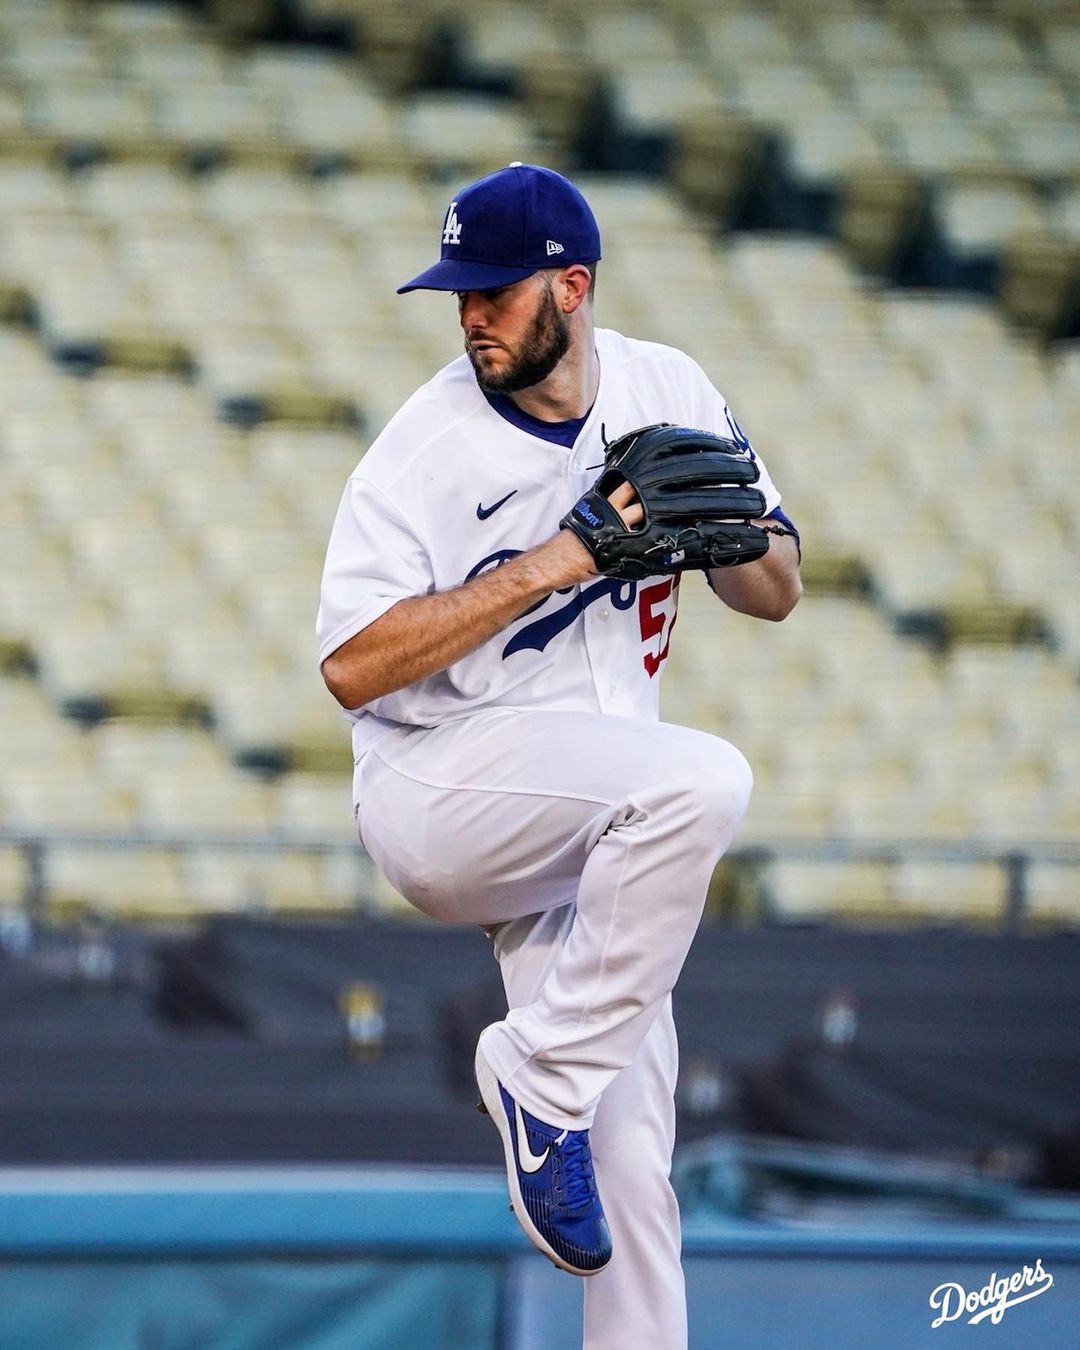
584	843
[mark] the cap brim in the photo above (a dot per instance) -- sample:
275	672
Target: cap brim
453	274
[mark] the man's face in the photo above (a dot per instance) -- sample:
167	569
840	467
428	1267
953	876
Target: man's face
514	336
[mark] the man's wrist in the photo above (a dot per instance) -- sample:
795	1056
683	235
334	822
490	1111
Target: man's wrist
564	560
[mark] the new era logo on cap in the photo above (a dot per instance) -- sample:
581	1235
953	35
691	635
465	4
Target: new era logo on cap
515	221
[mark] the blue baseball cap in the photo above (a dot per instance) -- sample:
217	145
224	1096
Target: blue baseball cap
505	227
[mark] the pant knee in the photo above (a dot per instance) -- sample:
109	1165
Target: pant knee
729	787
713	789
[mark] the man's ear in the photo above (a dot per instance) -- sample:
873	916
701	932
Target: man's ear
574	282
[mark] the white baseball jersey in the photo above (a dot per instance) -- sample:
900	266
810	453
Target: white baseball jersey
451	489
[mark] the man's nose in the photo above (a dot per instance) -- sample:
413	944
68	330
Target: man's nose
473	310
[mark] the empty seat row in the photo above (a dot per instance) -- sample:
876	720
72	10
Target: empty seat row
963	890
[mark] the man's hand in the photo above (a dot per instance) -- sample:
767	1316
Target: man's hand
625	500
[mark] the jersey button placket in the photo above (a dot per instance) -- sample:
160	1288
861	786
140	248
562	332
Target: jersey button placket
601	638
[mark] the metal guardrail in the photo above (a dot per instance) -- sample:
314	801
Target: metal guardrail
1014	858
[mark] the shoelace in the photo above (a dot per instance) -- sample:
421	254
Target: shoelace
578	1182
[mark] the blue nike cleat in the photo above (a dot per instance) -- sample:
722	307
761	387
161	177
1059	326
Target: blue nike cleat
551	1179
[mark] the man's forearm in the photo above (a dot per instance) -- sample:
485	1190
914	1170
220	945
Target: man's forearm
766	589
424	634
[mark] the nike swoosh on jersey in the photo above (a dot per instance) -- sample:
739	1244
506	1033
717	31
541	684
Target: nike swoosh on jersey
528	1161
482	511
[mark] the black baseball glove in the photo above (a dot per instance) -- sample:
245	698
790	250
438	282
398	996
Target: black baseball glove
695	491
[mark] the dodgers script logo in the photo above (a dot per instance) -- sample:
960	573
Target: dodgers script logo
656	618
536	636
993	1298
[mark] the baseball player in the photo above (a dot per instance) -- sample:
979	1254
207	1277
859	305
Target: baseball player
501	675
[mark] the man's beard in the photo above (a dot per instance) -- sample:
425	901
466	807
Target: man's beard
541	349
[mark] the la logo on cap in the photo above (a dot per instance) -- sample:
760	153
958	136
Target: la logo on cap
452	229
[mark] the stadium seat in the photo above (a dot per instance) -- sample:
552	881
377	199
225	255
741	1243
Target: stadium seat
1045	146
782	95
125	751
1014	95
13	878
816	890
143	884
354	122
1052	892
621	37
970	43
317	804
945	147
57	57
263	711
864	39
659	97
733	36
892	91
296	883
828	145
282	882
501	37
198	801
26	188
119	192
982	219
34	732
60	796
183	61
1060	43
463	134
964	891
222	117
97	113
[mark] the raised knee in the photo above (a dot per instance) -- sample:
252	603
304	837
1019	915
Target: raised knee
733	783
719	785
701	785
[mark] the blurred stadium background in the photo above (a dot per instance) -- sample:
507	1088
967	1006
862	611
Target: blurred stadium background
863	218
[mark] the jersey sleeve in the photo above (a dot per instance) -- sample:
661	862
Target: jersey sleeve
373	560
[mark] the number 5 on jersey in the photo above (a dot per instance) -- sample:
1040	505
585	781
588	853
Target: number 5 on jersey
653	619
